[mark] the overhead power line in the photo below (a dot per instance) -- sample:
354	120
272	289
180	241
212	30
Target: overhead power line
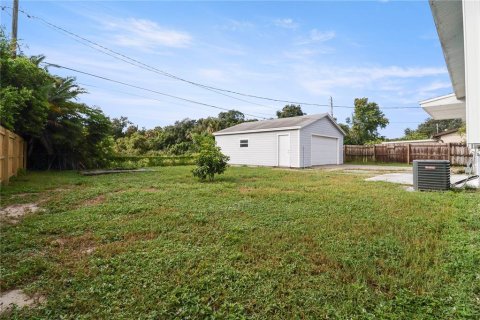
142	88
183	105
147	97
119	56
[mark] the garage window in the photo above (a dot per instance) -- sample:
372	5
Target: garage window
244	143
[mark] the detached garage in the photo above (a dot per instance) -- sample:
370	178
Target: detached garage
296	142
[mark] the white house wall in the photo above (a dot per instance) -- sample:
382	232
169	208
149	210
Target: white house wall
322	127
471	25
261	150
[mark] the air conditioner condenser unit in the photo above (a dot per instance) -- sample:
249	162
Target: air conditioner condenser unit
431	175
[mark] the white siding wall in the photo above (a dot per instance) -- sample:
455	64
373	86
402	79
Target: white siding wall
261	150
322	127
471	30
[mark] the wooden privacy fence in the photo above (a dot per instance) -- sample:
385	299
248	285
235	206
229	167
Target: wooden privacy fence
12	154
456	153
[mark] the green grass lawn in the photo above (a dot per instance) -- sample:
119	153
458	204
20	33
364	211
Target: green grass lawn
257	243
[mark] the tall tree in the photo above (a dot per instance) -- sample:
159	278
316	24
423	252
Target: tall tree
173	139
430	126
41	107
118	126
366	120
230	118
290	110
23	93
347	138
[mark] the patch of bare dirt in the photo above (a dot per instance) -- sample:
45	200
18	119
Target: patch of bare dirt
18	298
152	189
61	189
289	191
89	250
94	201
23	195
80	244
15	212
244	190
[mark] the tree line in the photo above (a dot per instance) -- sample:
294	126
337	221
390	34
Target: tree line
63	133
42	108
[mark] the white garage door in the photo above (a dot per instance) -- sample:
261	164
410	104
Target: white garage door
324	150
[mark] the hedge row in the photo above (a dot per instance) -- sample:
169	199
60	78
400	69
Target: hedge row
151	161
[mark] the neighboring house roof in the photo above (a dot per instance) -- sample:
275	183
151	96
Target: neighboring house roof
440	134
277	124
410	141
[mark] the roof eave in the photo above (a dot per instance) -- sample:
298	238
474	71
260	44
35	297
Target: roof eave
219	133
448	17
444	133
445	107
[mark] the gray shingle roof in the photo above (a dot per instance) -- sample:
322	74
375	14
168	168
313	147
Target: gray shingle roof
274	124
437	135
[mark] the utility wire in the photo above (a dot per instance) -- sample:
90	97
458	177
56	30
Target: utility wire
142	88
137	63
388	108
119	56
104	78
183	105
146	97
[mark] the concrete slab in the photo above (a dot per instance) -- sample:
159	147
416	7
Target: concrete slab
407	179
401	178
471	184
334	167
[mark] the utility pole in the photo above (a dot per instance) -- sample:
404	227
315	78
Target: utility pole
14	27
331	106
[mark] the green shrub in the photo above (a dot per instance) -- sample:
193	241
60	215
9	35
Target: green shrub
129	162
210	160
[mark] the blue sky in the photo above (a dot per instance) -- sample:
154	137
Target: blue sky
304	51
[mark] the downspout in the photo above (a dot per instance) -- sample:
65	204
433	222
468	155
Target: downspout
475	150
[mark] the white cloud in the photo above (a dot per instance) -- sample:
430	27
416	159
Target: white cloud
436	86
323	80
316	36
305	53
399	72
237	25
286	23
146	34
228	48
215	75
